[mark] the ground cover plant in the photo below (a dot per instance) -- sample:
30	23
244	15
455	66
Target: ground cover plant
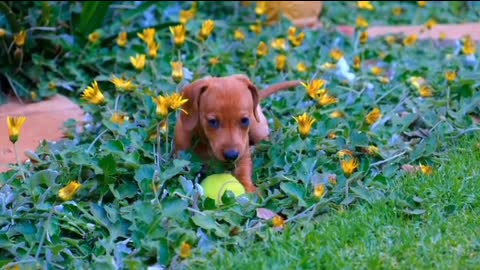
111	195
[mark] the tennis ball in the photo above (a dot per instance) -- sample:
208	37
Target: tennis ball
215	185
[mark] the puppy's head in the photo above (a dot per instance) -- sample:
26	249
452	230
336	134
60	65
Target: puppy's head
223	108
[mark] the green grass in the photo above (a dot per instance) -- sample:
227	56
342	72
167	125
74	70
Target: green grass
382	235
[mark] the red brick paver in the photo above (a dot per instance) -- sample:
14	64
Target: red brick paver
44	122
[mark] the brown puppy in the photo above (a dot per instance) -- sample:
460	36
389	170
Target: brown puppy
225	116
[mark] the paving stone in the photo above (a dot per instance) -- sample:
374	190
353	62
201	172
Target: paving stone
45	121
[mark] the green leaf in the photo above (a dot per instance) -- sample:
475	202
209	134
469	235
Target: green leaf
208	223
414	211
359	139
109	167
178	167
114	147
92	16
296	191
45	177
173	207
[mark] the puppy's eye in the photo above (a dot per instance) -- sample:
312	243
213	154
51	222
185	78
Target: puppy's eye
245	121
214	123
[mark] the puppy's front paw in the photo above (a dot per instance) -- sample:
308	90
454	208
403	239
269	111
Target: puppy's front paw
251	189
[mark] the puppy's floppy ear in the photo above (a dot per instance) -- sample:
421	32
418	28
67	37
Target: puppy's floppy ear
192	92
253	90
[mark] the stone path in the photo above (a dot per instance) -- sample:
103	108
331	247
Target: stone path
44	122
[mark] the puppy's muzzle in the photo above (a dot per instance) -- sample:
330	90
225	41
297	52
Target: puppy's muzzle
230	155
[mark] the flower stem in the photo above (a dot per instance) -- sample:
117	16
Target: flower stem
117	100
96	139
166	135
18	161
448	98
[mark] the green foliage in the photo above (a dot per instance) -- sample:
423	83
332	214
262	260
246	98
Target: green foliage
138	204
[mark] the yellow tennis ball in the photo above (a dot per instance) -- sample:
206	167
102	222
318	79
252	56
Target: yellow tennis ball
215	185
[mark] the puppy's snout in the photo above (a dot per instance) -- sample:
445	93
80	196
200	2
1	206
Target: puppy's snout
231	155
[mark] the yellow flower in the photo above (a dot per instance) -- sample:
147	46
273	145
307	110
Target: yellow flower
138	61
261	8
357	63
238	35
410	40
430	24
256	28
450	76
363	37
417	82
427	170
278	222
187	15
20	38
336	114
178	33
279	44
319	191
94	37
122	39
262	49
345	152
332	179
468	46
207	29
390	40
118	118
281	62
397	11
305	123
377	71
365	5
148	35
3	33
383	79
162	105
336	54
14	126
33	95
372	150
295	40
69	191
325	99
332	135
442	36
169	103
361	22
185	250
314	88
177	71
422	3
93	94
425	91
214	61
176	101
153	48
52	86
328	66
301	67
122	84
373	116
349	166
292	31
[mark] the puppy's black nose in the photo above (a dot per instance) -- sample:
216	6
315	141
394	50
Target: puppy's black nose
230	155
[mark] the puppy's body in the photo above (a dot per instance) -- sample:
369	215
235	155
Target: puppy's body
225	116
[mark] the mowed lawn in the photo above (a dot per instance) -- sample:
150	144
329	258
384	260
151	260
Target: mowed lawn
442	232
